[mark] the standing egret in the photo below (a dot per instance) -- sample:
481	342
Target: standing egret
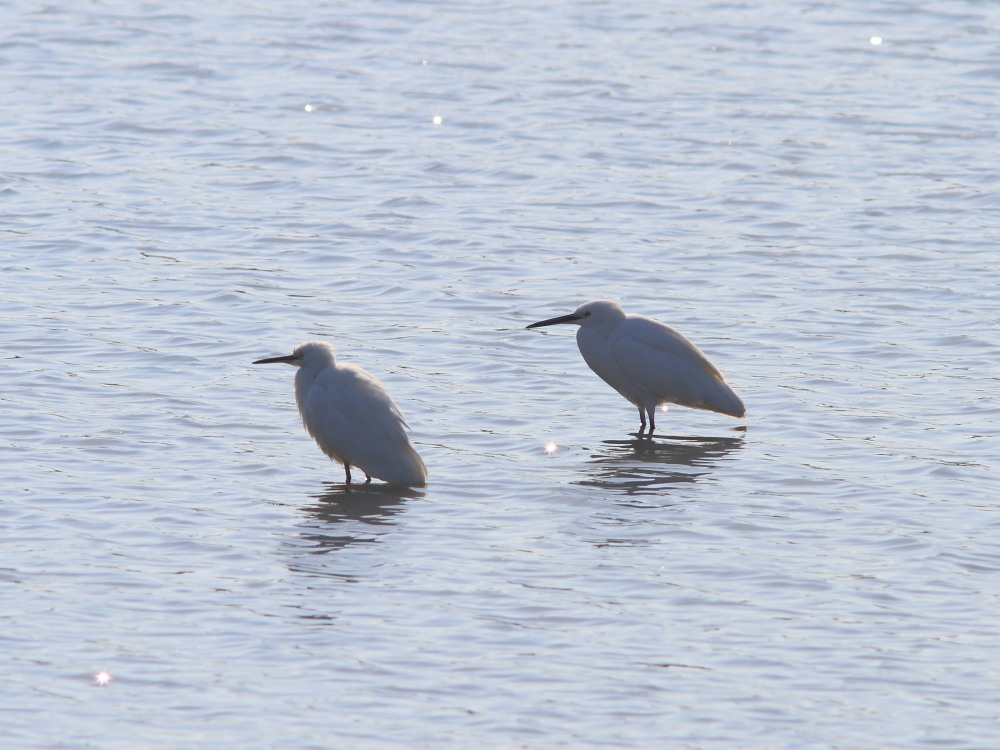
352	416
647	362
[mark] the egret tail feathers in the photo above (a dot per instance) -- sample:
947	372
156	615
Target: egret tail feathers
724	401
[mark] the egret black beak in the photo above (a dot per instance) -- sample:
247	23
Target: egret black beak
288	359
571	318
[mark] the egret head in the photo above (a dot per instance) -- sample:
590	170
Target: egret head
312	354
599	313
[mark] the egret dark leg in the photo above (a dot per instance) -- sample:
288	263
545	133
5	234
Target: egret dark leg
642	421
347	470
368	479
652	421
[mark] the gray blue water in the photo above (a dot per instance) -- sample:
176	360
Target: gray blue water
807	190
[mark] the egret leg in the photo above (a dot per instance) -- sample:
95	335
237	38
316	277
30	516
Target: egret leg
347	470
652	421
642	421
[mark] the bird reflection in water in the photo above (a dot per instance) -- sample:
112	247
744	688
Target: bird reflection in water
350	514
640	466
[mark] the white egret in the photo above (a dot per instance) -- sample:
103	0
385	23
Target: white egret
352	416
647	362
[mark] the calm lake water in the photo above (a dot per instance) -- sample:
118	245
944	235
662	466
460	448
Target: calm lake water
808	190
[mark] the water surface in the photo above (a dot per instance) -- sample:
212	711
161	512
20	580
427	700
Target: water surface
808	191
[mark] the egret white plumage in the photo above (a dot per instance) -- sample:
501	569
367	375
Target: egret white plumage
647	362
352	416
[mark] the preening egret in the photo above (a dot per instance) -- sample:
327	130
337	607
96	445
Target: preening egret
352	416
647	362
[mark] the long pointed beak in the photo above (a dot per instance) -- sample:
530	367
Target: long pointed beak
571	318
287	359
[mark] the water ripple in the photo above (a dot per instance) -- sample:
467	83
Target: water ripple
416	183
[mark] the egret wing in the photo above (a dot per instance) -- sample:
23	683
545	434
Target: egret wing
664	366
662	338
354	419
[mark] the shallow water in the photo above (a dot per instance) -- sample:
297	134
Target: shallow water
189	187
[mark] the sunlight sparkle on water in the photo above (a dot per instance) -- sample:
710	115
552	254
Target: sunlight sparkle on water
102	678
310	107
550	448
876	40
437	119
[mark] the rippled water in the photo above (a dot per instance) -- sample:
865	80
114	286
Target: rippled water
807	190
